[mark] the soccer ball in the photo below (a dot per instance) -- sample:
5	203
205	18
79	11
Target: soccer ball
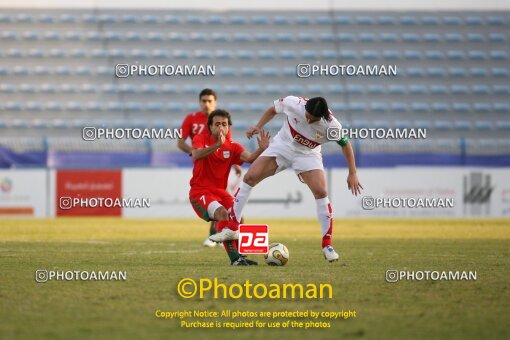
278	255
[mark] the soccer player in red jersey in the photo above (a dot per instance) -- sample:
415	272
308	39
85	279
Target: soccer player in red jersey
213	155
195	124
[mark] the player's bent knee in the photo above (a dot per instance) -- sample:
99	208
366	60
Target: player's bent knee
250	179
217	211
221	214
320	194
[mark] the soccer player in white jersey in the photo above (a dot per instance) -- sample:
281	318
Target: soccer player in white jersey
297	145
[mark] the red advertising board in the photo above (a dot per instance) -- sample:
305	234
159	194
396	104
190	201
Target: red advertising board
79	191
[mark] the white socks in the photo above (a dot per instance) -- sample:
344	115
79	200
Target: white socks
324	211
240	199
325	216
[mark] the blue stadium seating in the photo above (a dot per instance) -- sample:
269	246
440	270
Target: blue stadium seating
423	124
389	37
249	72
461	107
334	89
439	89
281	20
244	54
483	125
496	20
80	70
374	89
386	20
474	20
303	20
500	72
498	37
379	107
502	107
454	37
288	55
326	37
478	72
481	89
391	54
417	89
345	37
370	54
323	20
501	89
176	37
503	125
411	37
397	89
443	125
128	19
355	89
408	20
463	125
460	89
499	55
451	64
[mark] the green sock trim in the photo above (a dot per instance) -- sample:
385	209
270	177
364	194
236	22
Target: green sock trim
201	209
212	229
232	252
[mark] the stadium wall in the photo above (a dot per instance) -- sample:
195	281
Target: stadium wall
304	5
475	192
153	158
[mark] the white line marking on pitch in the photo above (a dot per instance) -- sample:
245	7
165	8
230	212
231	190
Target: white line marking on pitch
150	252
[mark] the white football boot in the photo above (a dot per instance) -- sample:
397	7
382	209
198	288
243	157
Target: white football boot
225	235
330	254
209	243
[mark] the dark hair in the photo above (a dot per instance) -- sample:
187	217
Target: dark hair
220	113
207	92
318	107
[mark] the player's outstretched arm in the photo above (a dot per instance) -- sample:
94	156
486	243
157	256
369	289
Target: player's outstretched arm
238	170
266	117
263	142
353	183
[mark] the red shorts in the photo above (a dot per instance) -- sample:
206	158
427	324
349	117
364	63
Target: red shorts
200	199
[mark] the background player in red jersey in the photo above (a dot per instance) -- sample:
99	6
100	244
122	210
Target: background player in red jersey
196	123
213	155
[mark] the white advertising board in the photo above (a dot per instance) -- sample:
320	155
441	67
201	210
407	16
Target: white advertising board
475	192
167	189
282	195
23	193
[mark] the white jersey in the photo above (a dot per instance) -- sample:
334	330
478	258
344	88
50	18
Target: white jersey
296	132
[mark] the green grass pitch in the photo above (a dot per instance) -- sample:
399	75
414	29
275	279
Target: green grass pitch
156	254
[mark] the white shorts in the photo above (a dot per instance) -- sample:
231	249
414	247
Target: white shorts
286	157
